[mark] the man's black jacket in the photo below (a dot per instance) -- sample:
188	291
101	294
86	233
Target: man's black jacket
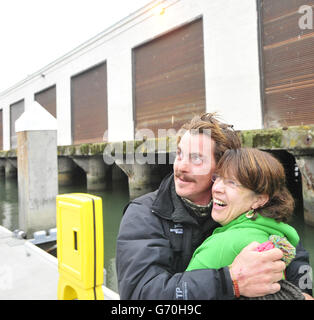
155	243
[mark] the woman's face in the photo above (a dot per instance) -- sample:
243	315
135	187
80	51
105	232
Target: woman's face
230	199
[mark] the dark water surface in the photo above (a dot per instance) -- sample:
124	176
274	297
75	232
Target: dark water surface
114	201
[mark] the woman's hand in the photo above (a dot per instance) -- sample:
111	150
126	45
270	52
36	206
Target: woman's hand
257	273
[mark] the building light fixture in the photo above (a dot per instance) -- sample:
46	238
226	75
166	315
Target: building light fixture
158	10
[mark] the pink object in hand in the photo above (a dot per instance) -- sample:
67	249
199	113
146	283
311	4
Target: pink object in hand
265	246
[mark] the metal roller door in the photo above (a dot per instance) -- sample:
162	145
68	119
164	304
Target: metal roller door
89	105
47	98
287	64
168	79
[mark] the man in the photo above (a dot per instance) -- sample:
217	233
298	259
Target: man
160	231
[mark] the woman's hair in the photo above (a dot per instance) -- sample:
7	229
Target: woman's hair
222	134
262	173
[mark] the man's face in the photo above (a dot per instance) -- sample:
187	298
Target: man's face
194	166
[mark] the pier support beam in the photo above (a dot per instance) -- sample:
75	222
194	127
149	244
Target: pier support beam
37	169
2	167
10	169
306	166
97	172
117	173
142	178
66	168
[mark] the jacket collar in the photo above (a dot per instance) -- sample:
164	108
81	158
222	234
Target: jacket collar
162	204
169	206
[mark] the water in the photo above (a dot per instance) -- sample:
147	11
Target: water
114	201
8	203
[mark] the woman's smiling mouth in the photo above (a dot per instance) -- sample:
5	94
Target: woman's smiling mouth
219	203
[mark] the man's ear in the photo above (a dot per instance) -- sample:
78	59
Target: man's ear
261	200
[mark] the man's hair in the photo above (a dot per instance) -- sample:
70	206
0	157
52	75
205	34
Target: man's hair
262	173
222	134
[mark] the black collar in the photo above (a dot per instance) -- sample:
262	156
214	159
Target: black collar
169	205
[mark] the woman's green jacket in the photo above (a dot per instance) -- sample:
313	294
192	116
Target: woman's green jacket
226	242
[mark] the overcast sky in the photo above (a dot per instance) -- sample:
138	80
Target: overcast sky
34	33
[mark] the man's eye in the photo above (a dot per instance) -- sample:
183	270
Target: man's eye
196	159
179	154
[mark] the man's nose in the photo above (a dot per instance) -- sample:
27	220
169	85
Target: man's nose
183	165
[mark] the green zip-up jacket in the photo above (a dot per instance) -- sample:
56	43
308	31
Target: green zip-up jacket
226	242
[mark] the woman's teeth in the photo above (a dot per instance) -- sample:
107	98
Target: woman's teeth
219	203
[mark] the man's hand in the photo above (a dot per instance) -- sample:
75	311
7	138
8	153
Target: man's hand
257	273
307	296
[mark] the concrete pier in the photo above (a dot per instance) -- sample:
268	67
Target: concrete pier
143	161
10	169
299	141
37	169
117	174
2	167
142	178
66	167
306	166
98	174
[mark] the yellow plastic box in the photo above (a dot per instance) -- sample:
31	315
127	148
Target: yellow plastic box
80	246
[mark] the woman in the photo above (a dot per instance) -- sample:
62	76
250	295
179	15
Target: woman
252	203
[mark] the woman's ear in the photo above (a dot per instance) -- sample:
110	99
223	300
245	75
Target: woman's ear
261	200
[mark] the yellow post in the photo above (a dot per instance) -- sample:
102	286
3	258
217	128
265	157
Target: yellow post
80	243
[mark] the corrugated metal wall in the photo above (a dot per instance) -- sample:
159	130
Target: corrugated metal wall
89	105
287	64
47	98
168	79
1	130
16	110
